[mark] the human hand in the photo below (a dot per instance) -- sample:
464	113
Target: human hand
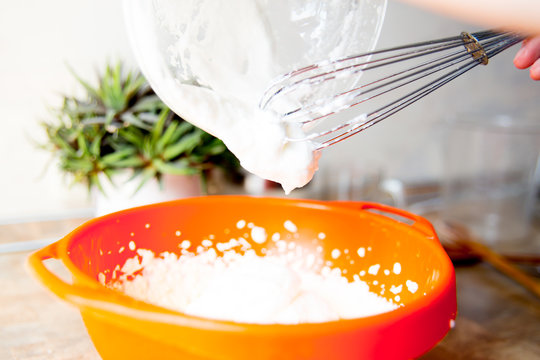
529	57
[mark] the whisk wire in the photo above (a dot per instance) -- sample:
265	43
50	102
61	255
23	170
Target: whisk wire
455	55
432	66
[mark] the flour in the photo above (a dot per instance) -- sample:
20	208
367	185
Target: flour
225	278
246	287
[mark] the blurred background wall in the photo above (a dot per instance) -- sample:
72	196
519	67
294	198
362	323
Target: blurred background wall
38	39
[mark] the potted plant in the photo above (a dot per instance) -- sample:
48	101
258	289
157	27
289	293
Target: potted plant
122	140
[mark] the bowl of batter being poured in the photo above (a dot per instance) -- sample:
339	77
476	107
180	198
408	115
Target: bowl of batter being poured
210	61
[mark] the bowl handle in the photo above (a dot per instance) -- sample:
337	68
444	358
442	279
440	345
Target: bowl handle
418	222
95	299
75	294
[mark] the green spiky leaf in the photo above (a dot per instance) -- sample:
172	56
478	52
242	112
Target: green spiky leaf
120	124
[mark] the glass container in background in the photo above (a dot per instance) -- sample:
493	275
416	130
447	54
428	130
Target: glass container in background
491	175
356	182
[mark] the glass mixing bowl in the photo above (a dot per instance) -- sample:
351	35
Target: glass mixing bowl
236	48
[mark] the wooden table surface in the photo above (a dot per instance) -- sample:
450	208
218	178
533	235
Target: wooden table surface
497	318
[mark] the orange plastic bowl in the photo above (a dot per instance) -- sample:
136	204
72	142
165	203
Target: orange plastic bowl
124	328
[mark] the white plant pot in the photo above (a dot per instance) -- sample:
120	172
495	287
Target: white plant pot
122	194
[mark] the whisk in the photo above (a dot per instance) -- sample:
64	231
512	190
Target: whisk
409	73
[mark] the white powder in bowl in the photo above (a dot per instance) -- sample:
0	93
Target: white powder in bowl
288	285
245	288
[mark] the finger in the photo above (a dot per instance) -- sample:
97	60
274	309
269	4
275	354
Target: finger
528	54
